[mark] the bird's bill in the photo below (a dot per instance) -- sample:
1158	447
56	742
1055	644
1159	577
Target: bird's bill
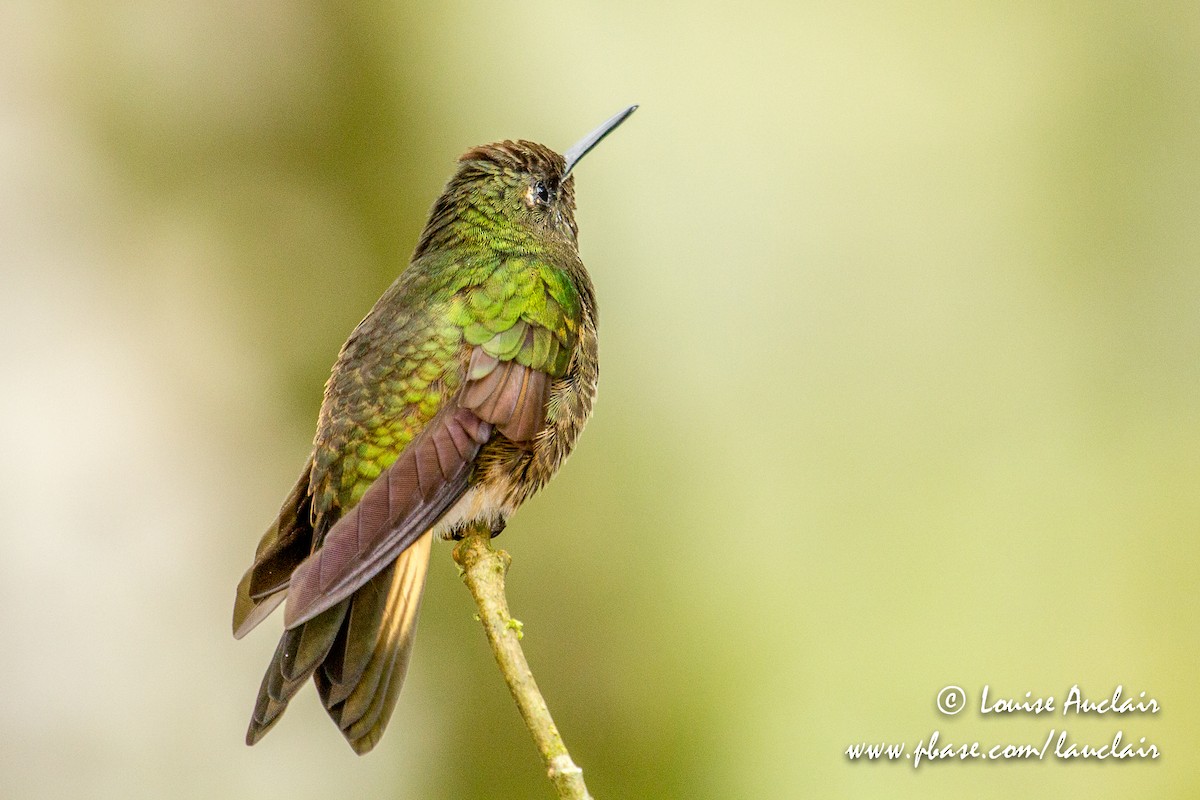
581	148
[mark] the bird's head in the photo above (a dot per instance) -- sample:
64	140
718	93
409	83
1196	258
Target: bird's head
511	193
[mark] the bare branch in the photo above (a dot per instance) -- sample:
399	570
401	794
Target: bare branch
484	570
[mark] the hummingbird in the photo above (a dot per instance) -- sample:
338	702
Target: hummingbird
453	401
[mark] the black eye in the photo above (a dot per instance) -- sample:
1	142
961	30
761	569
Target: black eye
543	193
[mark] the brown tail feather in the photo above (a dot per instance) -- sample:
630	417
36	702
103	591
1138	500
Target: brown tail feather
360	689
356	640
357	653
301	650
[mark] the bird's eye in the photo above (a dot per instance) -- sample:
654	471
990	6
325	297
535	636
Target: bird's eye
543	193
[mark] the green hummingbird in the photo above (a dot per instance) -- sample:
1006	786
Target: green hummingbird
454	400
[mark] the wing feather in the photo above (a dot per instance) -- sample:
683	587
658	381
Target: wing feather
283	547
427	478
394	512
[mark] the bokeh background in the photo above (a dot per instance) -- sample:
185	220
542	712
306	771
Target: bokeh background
901	369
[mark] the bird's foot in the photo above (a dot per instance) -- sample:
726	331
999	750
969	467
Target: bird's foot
459	531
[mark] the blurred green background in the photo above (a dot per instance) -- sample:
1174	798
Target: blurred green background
901	367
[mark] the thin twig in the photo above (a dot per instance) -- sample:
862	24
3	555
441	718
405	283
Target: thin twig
483	571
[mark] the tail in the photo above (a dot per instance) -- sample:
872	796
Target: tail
357	651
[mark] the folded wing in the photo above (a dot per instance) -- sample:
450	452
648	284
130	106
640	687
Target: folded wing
426	479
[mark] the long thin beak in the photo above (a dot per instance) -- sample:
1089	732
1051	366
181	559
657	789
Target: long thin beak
585	144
